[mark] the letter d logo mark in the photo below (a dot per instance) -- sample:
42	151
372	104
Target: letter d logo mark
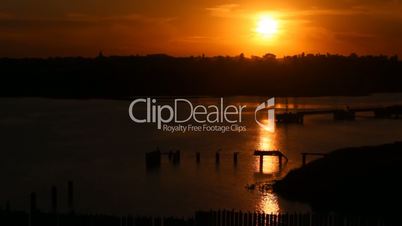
270	124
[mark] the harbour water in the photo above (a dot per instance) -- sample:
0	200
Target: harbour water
47	142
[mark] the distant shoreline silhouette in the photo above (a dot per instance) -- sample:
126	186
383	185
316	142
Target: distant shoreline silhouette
121	77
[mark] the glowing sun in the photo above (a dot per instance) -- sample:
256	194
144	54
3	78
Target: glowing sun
266	26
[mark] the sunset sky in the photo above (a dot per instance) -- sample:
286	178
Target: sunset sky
177	27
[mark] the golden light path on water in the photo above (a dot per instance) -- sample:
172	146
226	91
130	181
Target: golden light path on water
267	141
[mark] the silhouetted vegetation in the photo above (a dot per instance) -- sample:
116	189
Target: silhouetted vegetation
125	76
363	179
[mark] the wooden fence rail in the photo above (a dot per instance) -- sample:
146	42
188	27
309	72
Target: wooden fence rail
201	218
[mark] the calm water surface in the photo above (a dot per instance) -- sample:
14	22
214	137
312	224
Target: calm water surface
46	142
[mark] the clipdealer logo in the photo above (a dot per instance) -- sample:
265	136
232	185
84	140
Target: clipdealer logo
181	115
269	105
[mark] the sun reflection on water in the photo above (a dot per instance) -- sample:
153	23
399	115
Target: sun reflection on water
269	203
267	140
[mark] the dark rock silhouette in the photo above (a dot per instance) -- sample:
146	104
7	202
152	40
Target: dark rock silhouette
362	179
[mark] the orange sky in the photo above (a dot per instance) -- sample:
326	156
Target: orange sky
211	27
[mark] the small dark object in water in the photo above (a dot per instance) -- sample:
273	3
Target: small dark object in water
250	186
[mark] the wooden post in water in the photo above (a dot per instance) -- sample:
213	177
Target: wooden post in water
176	157
235	158
261	163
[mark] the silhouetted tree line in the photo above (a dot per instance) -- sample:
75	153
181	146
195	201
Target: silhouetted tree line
125	76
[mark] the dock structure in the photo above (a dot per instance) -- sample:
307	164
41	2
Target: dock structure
289	117
305	154
389	112
262	153
297	116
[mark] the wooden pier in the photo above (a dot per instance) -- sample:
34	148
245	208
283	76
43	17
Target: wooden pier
262	153
297	116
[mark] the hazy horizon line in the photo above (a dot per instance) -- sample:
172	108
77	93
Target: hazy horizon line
250	56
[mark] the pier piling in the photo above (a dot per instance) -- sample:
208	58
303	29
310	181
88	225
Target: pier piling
261	154
235	158
176	157
217	157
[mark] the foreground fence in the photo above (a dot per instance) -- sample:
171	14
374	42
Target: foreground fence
233	218
201	218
